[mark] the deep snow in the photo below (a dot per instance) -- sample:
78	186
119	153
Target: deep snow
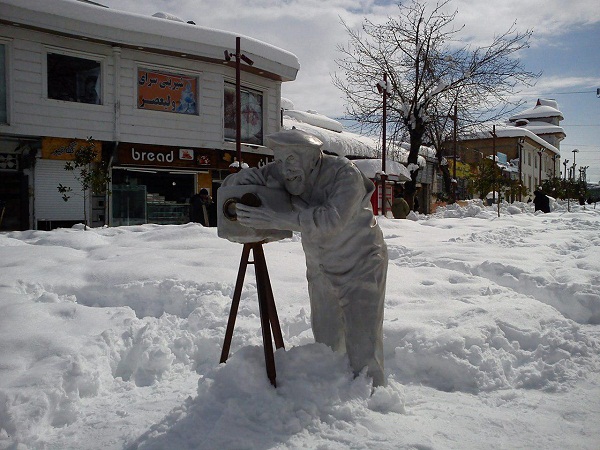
110	338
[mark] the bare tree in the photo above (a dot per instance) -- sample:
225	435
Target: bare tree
428	72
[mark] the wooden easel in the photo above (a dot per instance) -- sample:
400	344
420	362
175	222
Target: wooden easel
266	303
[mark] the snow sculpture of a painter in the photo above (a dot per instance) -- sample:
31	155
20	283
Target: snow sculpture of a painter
346	256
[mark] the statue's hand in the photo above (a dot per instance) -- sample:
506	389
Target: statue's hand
262	218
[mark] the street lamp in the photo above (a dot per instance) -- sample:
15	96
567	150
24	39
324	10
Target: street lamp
494	165
238	95
582	172
565	162
540	152
385	89
520	150
574	152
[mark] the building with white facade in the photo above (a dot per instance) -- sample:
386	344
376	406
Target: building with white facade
156	94
527	146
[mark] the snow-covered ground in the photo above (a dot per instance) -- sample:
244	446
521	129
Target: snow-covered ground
110	338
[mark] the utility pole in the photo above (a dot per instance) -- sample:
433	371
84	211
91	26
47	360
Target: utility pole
494	165
238	95
520	149
454	144
540	152
384	91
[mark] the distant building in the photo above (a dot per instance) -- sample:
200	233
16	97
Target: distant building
156	94
526	147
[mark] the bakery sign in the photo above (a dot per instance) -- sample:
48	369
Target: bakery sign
149	155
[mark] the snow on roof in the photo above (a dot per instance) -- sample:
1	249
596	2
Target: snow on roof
512	131
345	143
286	103
75	18
168	16
428	152
539	127
316	119
543	108
342	143
402	150
371	167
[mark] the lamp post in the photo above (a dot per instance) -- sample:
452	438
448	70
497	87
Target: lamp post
454	145
494	165
582	173
520	150
574	165
565	162
238	95
384	89
540	152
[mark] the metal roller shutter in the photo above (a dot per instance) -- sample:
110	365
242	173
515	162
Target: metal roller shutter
49	204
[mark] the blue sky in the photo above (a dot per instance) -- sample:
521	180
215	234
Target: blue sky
571	75
565	47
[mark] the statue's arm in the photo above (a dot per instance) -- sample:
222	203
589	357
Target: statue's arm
346	193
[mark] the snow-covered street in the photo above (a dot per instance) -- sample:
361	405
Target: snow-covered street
110	338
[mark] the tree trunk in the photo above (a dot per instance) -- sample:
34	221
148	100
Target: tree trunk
410	187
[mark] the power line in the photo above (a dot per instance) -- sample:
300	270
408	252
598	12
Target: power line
568	93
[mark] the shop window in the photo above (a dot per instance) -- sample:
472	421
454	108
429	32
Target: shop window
3	89
252	115
74	79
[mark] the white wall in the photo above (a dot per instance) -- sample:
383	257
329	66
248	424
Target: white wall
118	118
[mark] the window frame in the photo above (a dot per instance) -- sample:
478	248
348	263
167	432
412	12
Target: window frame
100	59
248	90
7	43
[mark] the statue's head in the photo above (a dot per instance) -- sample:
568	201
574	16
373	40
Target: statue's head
297	153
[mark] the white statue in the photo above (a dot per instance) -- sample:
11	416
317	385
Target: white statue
346	256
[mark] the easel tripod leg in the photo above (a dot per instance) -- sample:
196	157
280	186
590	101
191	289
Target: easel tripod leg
259	256
265	324
235	303
266	303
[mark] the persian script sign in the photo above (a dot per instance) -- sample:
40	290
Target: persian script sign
159	91
64	149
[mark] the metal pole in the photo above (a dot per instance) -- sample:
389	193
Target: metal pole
238	103
494	165
383	148
454	137
540	171
520	146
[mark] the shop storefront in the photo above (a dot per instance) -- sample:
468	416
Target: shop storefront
154	184
14	201
50	209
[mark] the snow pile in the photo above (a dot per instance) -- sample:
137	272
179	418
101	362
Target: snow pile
111	339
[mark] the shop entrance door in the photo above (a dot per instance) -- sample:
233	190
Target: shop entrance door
14	202
151	196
